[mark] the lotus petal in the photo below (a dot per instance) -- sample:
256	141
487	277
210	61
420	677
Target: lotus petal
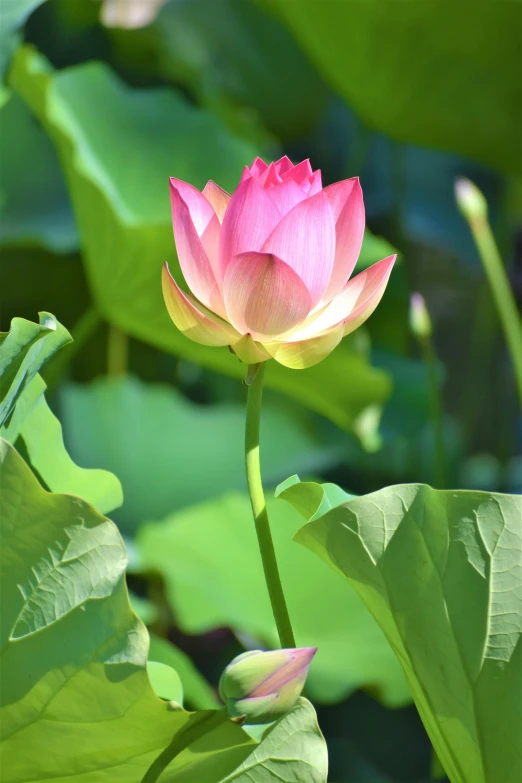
250	217
200	210
283	164
249	351
218	198
255	170
347	204
286	195
191	319
305	240
193	259
263	295
300	173
301	354
357	300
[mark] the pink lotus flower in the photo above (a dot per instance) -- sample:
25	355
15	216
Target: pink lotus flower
269	266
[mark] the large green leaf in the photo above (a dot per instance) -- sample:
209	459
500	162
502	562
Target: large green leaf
432	73
209	557
34	203
117	164
26	414
42	435
76	701
170	452
23	350
440	572
293	749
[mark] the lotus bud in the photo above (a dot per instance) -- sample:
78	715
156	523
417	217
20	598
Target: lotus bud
263	686
420	321
470	200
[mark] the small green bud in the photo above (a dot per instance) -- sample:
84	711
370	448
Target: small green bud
263	686
420	321
470	200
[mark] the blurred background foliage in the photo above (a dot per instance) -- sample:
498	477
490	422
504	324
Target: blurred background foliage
101	102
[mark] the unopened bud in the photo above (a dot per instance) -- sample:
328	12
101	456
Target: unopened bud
470	200
263	686
420	321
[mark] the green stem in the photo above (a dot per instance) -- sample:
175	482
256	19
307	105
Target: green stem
117	351
502	295
257	499
430	360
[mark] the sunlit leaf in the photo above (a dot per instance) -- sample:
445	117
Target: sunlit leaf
23	350
165	681
26	414
145	609
74	685
43	439
440	572
293	749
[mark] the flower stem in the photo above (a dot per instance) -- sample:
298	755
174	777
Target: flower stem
421	326
474	208
117	351
257	498
502	294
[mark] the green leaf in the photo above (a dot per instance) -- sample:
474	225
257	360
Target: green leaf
166	681
161	445
440	572
23	350
146	610
34	204
24	406
209	557
293	749
409	69
75	689
123	215
43	439
198	692
310	499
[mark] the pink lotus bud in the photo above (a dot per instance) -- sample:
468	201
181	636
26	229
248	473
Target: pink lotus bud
269	267
420	321
262	686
